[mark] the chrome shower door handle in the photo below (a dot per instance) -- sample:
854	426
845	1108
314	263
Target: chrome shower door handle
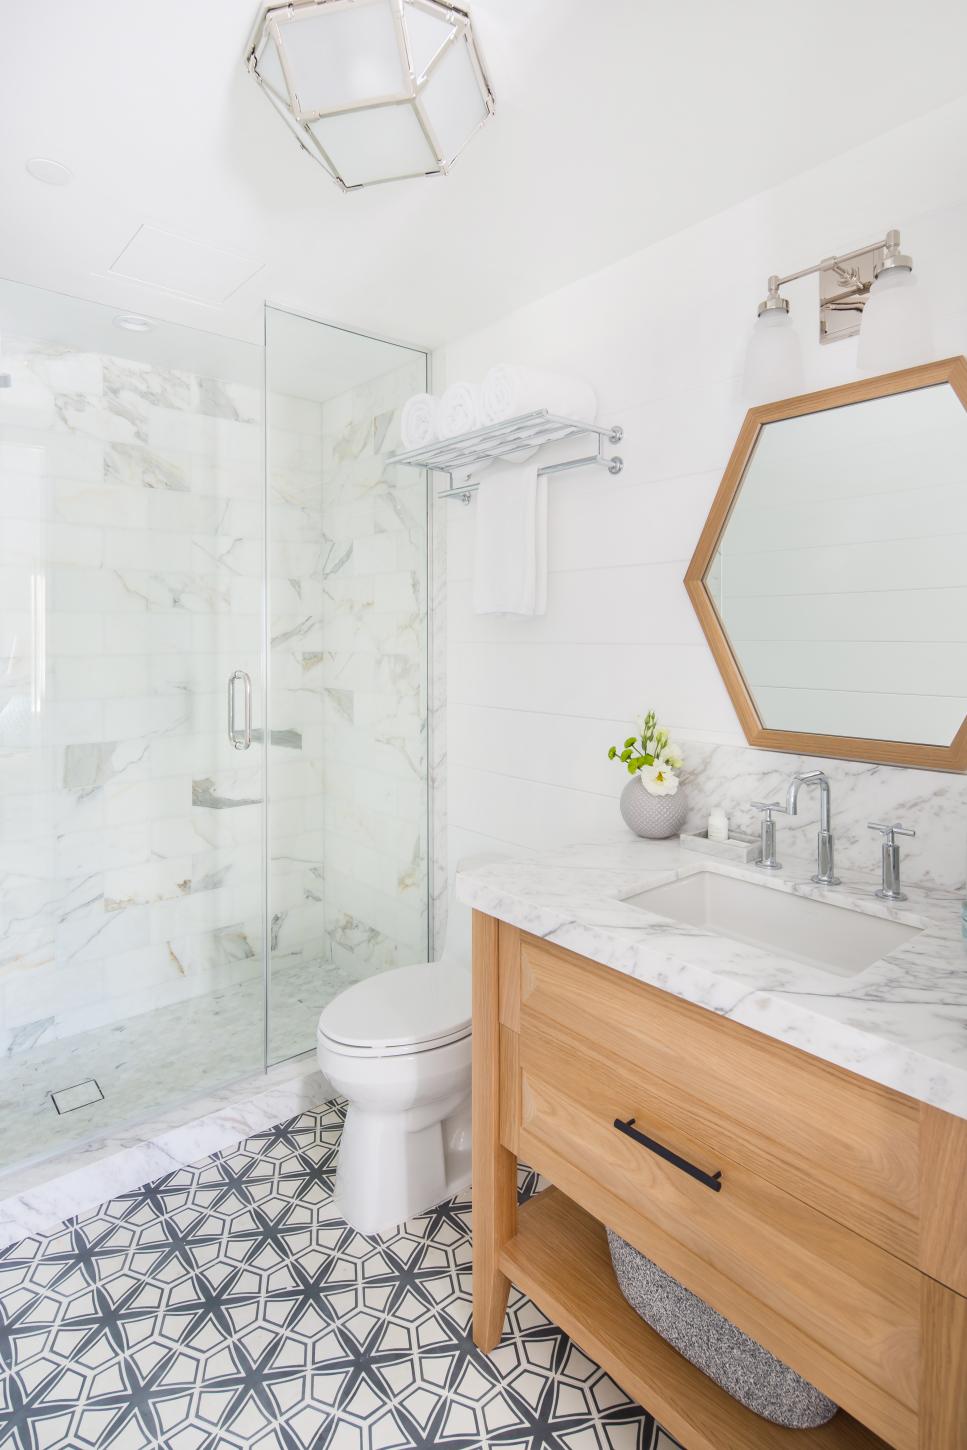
241	740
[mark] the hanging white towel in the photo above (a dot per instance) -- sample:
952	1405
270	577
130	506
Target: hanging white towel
510	544
508	390
458	411
418	421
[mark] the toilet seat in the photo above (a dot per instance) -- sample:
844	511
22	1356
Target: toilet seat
404	1011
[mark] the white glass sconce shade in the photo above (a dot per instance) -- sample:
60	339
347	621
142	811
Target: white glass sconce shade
773	360
895	332
375	90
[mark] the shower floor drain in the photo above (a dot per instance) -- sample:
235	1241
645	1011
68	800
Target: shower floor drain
81	1095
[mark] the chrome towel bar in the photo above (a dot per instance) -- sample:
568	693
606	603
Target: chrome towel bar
463	454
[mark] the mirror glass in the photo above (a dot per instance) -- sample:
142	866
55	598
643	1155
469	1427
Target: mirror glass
840	577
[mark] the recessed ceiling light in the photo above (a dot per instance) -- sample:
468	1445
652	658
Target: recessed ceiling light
131	322
54	173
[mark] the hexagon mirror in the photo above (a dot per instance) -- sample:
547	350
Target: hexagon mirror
831	575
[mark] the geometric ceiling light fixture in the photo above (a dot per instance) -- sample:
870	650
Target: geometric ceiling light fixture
877	280
374	90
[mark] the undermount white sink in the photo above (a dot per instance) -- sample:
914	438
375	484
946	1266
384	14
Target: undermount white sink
834	938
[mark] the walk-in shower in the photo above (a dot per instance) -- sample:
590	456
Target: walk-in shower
213	703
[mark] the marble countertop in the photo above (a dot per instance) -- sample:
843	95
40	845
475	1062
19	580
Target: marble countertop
901	1022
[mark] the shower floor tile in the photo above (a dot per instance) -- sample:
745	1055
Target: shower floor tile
227	1305
153	1061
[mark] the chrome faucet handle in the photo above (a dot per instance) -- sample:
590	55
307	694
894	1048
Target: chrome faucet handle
890	831
890	859
766	860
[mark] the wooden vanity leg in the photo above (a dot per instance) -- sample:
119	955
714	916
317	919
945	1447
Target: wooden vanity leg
494	1168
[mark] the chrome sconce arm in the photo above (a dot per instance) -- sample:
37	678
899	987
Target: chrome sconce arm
844	285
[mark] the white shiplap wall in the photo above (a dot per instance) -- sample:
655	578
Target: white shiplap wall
532	705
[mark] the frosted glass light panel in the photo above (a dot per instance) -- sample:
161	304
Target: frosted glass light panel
367	145
376	90
840	577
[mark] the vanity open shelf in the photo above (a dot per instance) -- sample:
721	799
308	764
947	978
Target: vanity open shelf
461	455
559	1257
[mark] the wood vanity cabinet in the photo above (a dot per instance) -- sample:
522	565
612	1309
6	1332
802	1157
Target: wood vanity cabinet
837	1236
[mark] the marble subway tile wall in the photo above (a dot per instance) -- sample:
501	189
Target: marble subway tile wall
131	565
372	671
296	555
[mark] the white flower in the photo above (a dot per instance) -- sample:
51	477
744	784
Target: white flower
658	779
672	756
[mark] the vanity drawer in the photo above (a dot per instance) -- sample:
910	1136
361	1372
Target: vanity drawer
838	1143
844	1312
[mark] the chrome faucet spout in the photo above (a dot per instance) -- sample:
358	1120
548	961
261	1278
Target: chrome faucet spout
825	872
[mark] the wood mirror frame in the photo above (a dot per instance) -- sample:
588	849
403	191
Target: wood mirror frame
890	752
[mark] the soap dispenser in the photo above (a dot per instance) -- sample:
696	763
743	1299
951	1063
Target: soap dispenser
718	824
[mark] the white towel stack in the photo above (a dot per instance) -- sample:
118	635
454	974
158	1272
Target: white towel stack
509	390
510	547
458	411
418	421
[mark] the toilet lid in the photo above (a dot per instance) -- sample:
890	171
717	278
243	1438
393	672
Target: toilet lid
417	1006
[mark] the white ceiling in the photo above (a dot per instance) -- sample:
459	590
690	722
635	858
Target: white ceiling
618	122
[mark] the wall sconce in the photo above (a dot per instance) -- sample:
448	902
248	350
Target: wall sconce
871	291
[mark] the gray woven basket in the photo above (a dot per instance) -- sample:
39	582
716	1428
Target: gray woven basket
746	1371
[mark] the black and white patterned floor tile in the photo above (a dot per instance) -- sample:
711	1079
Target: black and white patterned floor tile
225	1306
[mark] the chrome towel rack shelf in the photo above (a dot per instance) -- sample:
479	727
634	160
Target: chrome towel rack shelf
461	455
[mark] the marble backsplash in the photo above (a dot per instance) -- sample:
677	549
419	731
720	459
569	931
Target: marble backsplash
932	803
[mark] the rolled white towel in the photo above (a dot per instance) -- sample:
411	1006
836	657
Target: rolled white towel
418	421
509	390
458	411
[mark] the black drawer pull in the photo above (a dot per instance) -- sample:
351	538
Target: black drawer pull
711	1180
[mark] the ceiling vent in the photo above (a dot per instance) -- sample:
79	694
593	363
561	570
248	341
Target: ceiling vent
195	270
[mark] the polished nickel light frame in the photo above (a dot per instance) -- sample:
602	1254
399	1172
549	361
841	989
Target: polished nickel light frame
844	285
267	32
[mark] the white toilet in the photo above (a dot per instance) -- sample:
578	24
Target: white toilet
398	1047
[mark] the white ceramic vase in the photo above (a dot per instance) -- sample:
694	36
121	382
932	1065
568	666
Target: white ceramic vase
652	816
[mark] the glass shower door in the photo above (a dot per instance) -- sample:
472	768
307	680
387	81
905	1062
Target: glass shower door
131	588
348	880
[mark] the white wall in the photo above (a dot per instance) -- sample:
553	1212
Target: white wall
534	704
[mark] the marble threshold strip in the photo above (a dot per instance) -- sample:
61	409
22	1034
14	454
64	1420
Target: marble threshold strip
39	1197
